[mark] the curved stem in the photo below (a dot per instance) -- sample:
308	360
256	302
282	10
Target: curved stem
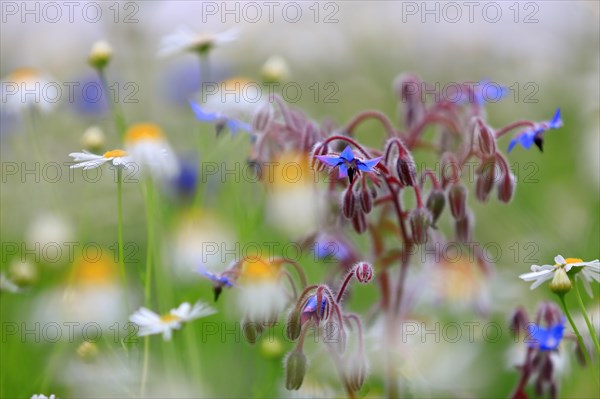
587	319
575	330
514	125
370	114
348	140
344	286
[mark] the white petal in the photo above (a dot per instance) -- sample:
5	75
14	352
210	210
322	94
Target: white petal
541	280
535	275
559	260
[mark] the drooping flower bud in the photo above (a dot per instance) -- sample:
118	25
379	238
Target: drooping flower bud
408	89
550	313
406	169
262	118
252	331
435	203
420	221
363	272
449	169
319	149
486	139
463	228
560	284
349	203
100	55
357	371
293	326
295	370
506	187
486	177
359	222
457	198
518	321
366	201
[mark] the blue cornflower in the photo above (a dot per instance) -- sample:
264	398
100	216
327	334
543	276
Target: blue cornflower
536	135
221	119
311	307
348	164
546	339
185	182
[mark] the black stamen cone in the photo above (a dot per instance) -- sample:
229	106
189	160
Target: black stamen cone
351	173
217	290
539	142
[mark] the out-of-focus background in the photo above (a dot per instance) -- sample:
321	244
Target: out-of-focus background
342	57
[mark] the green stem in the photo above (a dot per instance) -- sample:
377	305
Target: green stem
115	110
579	339
587	319
145	366
120	233
148	276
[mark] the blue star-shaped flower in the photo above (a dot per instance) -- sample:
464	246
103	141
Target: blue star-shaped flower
311	307
546	339
220	119
219	281
536	136
348	164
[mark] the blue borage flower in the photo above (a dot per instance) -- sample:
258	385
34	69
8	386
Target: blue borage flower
546	339
311	307
536	135
484	91
220	119
348	164
219	281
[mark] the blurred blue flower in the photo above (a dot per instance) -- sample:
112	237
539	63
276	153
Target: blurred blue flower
348	164
89	97
484	91
546	339
185	182
221	120
311	307
536	135
327	246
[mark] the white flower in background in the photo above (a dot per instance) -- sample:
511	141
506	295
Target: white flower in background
7	285
40	396
23	272
149	149
184	39
261	294
50	235
28	87
87	160
93	139
590	271
151	323
275	69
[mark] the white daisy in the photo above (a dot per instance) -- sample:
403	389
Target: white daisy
150	150
28	87
184	39
589	270
40	396
7	284
87	160
151	323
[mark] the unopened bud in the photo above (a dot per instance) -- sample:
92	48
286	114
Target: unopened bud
450	169
100	55
406	169
319	149
93	139
293	326
464	228
359	222
486	177
486	139
457	199
550	313
271	348
408	91
23	272
275	70
349	203
435	203
420	221
363	272
295	370
252	331
519	321
506	188
87	351
366	201
357	373
560	284
262	118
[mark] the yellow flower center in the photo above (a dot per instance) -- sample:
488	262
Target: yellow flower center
23	75
258	270
142	132
291	170
115	154
571	260
95	271
169	318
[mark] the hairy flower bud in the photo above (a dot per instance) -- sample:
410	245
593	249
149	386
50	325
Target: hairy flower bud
252	331
457	198
349	203
486	139
506	188
449	168
319	149
519	321
420	221
560	284
435	204
366	201
359	222
293	326
295	369
357	371
100	55
262	118
408	89
406	169
486	177
463	228
550	313
363	272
